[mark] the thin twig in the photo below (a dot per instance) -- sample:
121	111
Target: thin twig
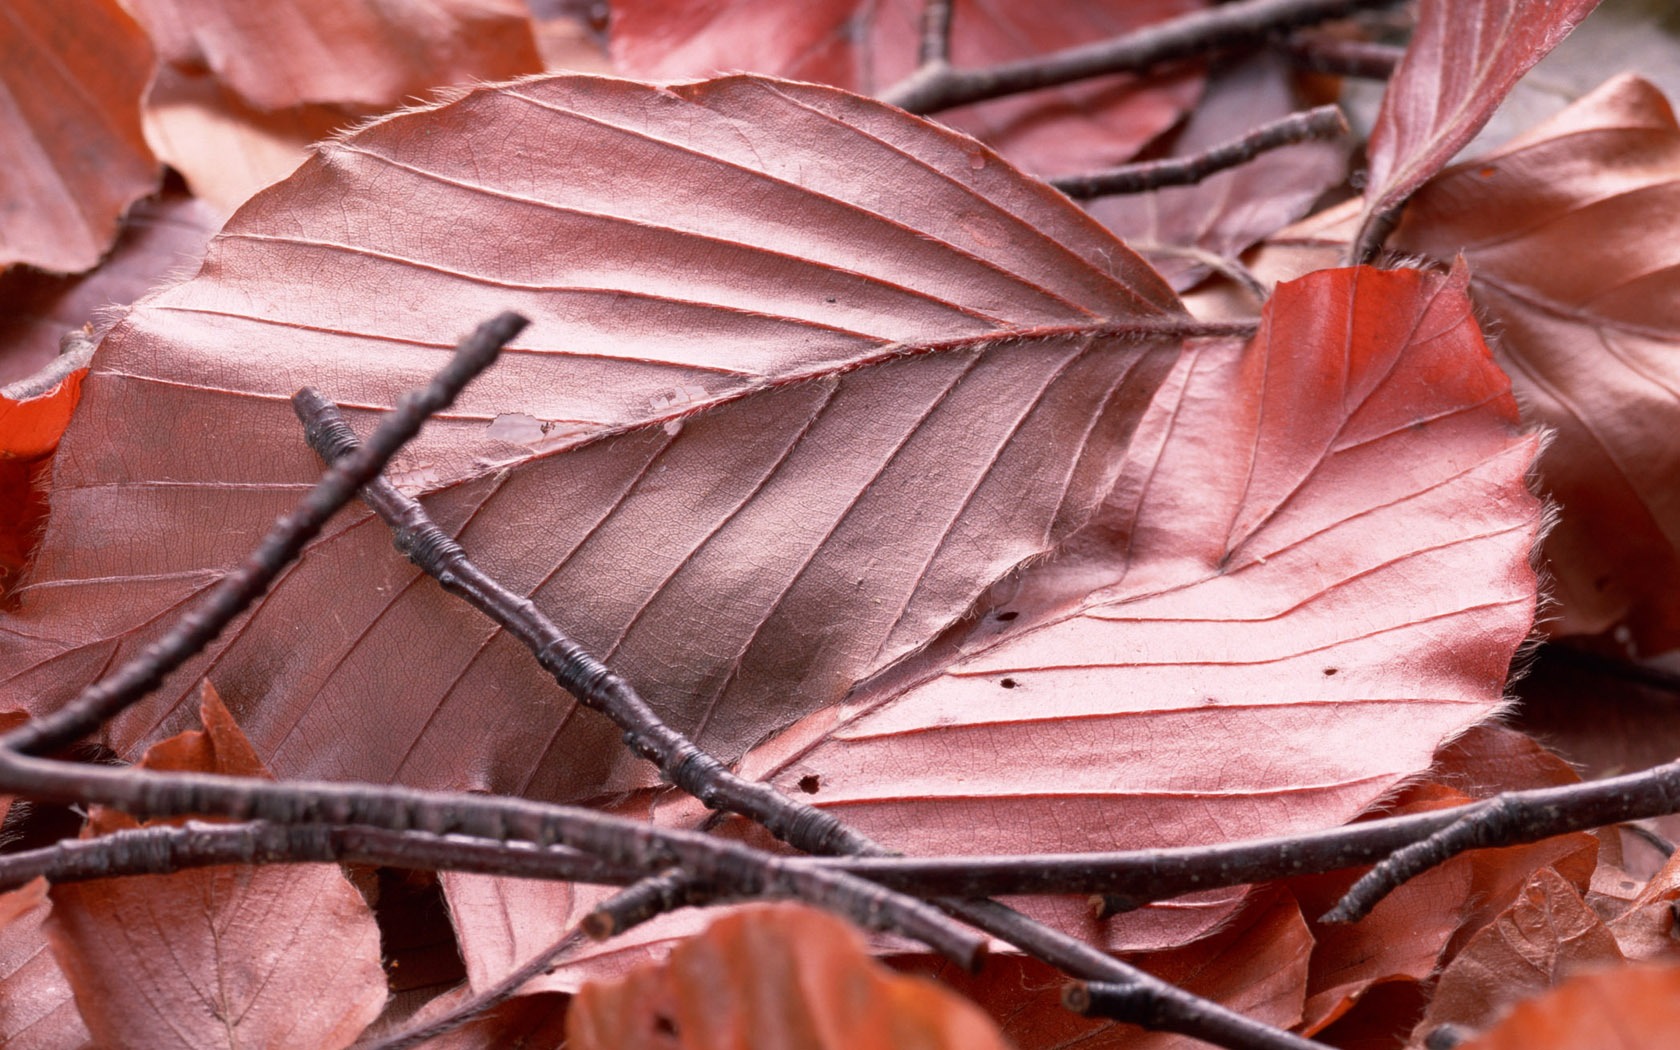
650	897
699	773
1246	22
1515	817
936	33
1321	122
1321	53
200	625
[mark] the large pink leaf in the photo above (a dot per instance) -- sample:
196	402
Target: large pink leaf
1312	571
37	1008
869	46
1464	56
71	76
1572	237
806	375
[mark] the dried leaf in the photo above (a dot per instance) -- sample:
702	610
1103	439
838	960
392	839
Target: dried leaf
70	82
1313	569
37	1011
1588	324
218	957
869	47
1464	56
371	53
772	976
1647	931
1622	1008
797	399
1227	212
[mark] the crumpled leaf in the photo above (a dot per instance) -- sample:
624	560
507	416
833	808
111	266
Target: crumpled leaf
1570	236
869	47
1227	212
37	1010
71	76
372	53
1621	1008
1464	56
785	410
772	976
1314	568
218	957
1547	933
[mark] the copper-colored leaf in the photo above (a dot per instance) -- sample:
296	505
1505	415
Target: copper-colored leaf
773	976
1313	569
1648	930
868	47
1571	235
1255	965
218	957
806	375
1463	58
1230	210
1548	933
1626	1008
37	1011
71	76
374	53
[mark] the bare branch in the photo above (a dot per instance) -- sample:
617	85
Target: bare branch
1321	53
1246	22
230	596
1322	122
936	33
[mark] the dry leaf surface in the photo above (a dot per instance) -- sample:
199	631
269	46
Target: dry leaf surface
869	47
1588	322
806	375
71	77
218	957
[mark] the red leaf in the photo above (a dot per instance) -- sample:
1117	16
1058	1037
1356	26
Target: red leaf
773	976
70	84
868	47
1464	56
215	957
37	1011
372	53
785	410
1588	324
1625	1008
1313	570
1231	210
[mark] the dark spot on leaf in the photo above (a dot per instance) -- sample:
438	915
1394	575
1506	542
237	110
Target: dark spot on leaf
664	1025
1328	671
1009	683
1005	617
809	783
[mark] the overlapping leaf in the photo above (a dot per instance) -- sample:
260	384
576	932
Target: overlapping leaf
1571	238
1463	58
1633	1008
218	957
869	47
1312	571
806	374
71	77
37	1008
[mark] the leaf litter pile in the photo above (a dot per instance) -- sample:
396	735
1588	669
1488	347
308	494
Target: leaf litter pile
905	455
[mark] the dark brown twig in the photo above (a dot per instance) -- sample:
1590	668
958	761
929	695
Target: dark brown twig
685	764
231	595
936	33
1247	22
1319	53
650	897
1322	122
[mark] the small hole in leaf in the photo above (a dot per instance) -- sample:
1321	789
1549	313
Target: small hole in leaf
1005	617
1328	671
810	783
1009	683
